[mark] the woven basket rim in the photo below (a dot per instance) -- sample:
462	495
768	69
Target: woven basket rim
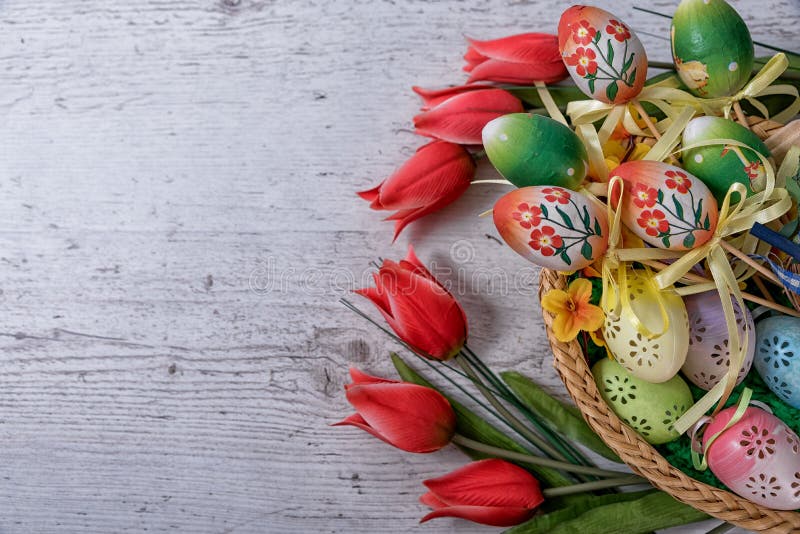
571	365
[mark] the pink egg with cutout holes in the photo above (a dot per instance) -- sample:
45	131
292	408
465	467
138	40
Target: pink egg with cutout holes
758	458
708	358
552	227
602	54
665	205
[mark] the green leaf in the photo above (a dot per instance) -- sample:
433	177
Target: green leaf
610	53
544	211
543	524
591	85
665	240
598	230
470	425
688	241
560	417
678	207
565	257
586	218
597	37
632	77
706	223
655	511
611	90
660	196
565	218
627	65
586	250
698	212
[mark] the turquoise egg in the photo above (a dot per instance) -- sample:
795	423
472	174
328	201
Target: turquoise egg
720	166
529	149
777	357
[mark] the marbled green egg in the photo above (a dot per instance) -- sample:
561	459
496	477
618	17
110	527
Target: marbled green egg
649	409
529	149
711	47
720	166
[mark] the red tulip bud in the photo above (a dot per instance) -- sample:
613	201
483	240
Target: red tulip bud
434	177
492	492
461	118
418	308
433	97
518	59
410	417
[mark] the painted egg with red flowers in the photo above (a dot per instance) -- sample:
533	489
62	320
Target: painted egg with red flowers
758	457
665	205
552	227
602	54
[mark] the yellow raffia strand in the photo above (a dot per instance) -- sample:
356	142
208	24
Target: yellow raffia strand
671	100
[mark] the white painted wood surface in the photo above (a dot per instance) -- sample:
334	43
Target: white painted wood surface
178	220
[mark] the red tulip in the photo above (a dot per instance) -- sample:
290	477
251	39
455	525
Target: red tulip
519	59
410	417
434	177
418	308
461	118
492	492
433	97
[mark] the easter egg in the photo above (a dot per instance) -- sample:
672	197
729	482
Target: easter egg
552	227
656	359
649	409
777	357
711	47
720	166
602	54
708	358
758	457
529	149
665	205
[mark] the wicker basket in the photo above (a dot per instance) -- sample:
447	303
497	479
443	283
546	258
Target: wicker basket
640	456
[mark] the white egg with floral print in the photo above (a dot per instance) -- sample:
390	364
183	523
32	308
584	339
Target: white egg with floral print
602	54
552	227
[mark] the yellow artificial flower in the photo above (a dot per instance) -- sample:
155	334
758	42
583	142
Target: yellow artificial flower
573	310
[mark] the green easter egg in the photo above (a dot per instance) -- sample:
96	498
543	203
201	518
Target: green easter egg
529	149
711	47
720	166
650	409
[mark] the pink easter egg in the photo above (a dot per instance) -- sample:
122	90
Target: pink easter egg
708	358
552	227
758	458
665	205
602	54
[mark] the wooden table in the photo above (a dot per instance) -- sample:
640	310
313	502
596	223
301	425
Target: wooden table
179	220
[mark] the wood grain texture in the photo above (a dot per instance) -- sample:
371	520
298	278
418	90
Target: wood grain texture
178	223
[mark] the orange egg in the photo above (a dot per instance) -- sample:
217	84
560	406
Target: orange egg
665	205
552	227
602	54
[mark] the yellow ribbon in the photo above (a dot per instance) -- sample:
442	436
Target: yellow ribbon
671	99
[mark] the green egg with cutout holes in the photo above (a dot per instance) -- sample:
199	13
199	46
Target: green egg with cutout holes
529	149
649	409
711	47
720	166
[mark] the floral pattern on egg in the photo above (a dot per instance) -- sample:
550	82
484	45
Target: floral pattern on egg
552	227
666	206
604	57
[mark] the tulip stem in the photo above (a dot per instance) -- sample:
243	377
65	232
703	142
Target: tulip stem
533	460
568	452
512	420
593	486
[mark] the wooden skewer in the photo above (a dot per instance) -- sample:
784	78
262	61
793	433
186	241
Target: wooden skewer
694	277
769	275
737	108
760	285
646	118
